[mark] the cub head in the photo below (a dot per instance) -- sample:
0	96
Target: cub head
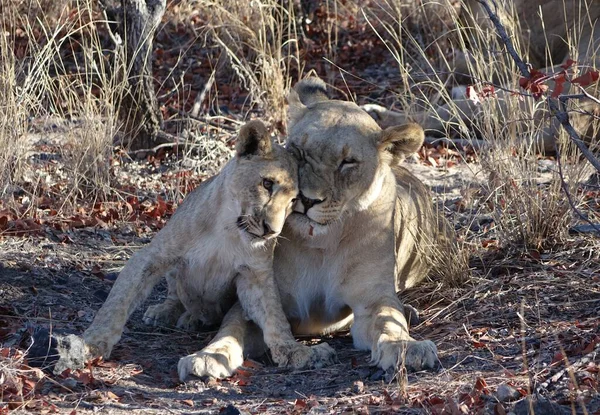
343	155
264	184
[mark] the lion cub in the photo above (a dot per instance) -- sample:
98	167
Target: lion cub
217	247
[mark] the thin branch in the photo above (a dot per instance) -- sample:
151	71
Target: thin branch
505	39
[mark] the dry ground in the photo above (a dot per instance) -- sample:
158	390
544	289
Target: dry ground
524	324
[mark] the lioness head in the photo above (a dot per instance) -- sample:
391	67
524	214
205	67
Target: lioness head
264	184
343	154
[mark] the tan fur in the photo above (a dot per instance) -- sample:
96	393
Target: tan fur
218	244
367	233
546	29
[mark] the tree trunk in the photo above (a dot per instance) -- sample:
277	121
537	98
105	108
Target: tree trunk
138	110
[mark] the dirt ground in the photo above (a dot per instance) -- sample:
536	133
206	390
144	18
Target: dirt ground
522	325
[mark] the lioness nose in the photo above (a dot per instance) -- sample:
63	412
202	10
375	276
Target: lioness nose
308	203
267	230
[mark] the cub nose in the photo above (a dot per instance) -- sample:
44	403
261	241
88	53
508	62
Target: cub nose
308	203
267	231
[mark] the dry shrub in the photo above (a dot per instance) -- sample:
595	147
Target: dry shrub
259	39
58	70
530	209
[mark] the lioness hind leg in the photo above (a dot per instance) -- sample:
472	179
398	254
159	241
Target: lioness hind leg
168	312
189	321
224	354
259	297
383	329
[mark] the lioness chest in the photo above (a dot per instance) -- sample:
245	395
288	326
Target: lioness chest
310	286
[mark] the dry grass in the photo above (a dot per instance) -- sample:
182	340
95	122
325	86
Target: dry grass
530	213
78	104
260	41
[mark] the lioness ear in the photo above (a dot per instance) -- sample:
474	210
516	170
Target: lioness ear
296	109
305	93
311	90
253	140
402	140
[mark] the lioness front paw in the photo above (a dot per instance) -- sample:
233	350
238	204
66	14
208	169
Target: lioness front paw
412	354
299	356
164	314
218	363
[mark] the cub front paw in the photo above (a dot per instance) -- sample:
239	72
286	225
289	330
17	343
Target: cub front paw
218	364
412	354
299	356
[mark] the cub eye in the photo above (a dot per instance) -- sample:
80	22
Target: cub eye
268	184
347	162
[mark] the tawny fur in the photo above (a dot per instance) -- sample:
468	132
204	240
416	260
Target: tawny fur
217	246
367	234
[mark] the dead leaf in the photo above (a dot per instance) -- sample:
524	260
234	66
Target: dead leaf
587	78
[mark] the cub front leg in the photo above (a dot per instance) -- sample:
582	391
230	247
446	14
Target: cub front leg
134	284
259	297
382	328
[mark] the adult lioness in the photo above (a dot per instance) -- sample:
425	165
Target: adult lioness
548	32
364	230
228	224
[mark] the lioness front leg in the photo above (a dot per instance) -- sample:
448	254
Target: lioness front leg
259	297
134	284
382	328
224	354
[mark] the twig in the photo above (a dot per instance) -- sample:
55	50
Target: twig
202	95
560	113
505	39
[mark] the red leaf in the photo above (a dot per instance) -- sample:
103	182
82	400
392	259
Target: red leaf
568	64
587	78
300	403
188	402
481	386
559	82
472	94
251	364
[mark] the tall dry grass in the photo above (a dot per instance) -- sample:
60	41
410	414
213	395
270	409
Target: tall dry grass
260	42
55	68
528	204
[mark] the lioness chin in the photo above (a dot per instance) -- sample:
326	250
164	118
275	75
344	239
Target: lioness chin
218	245
363	230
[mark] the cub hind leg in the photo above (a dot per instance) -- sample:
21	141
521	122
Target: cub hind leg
169	312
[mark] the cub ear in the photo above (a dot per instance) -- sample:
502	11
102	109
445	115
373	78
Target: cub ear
401	141
254	140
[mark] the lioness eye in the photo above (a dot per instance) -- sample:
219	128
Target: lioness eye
267	184
348	161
